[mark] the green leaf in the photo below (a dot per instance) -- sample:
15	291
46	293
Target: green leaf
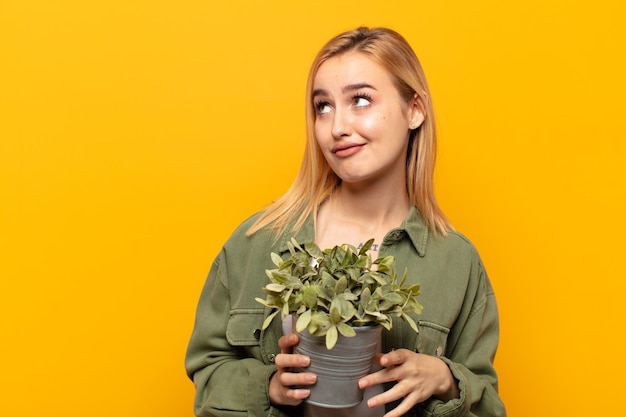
387	324
362	262
278	276
394	298
348	296
411	322
276	259
313	250
331	338
342	285
403	280
366	247
335	311
291	248
414	307
303	321
320	319
309	297
296	245
346	330
328	280
275	287
387	260
380	278
269	319
414	290
264	302
347	308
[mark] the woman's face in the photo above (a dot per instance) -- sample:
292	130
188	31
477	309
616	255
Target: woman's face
362	124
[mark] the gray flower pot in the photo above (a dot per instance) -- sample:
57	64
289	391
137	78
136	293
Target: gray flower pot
338	370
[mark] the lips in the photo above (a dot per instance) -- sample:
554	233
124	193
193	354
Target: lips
344	150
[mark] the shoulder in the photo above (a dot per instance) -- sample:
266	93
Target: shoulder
463	252
456	252
262	240
454	243
242	228
239	236
242	256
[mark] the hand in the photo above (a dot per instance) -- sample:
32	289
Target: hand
281	383
419	378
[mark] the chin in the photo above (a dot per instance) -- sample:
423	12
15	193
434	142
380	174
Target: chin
353	178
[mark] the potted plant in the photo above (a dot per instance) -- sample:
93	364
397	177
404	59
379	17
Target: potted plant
338	292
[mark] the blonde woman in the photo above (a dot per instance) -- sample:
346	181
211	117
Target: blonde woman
367	172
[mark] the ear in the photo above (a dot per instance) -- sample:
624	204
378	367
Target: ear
417	113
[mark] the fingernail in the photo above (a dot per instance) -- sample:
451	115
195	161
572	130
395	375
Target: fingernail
303	393
363	383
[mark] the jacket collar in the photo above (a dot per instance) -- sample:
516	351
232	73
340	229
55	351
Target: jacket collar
417	230
413	226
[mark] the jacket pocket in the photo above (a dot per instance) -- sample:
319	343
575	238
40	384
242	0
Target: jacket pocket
432	338
244	327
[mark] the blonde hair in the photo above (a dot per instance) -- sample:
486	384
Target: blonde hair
315	181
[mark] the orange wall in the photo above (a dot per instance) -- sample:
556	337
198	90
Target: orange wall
135	135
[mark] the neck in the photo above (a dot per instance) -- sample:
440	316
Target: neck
377	206
354	214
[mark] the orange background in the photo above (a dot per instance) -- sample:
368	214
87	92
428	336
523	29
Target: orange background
135	135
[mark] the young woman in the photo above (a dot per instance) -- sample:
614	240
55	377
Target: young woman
367	172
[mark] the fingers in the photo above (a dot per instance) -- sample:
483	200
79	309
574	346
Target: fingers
404	407
389	361
284	362
416	379
291	379
291	360
287	342
289	388
395	357
286	359
409	395
281	394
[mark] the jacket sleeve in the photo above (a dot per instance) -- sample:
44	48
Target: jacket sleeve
230	380
471	351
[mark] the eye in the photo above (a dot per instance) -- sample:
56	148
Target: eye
361	100
322	107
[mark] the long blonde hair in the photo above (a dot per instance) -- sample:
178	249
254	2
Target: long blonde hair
315	181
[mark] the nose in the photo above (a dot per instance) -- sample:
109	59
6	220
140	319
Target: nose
342	125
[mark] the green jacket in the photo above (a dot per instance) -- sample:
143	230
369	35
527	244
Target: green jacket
230	359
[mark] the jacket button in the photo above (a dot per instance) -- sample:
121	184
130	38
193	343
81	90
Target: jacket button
271	357
439	351
257	334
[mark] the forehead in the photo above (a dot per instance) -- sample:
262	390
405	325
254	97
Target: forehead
351	68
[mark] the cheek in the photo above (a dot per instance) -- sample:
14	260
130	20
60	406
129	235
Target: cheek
371	124
319	133
323	138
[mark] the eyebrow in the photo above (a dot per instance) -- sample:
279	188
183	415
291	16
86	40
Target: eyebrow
350	87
